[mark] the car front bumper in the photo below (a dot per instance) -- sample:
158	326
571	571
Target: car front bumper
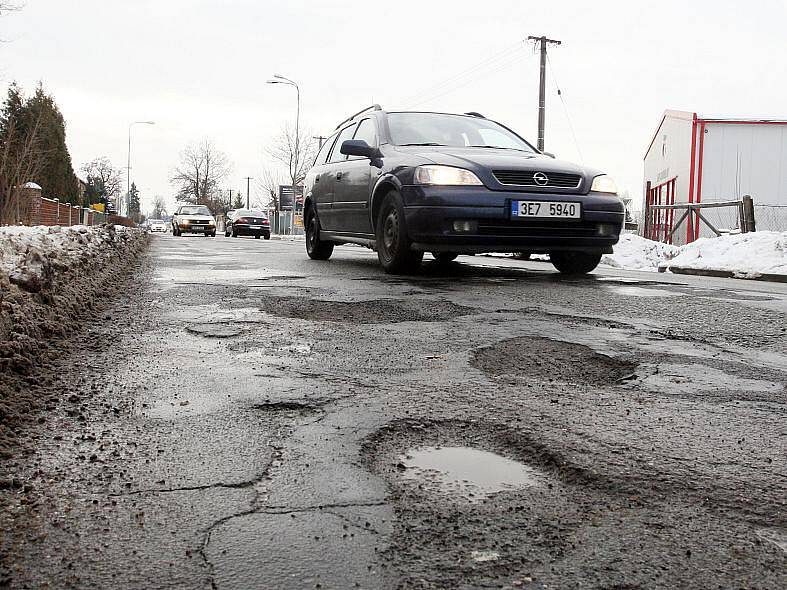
198	229
431	212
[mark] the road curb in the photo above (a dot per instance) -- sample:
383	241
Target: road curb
725	274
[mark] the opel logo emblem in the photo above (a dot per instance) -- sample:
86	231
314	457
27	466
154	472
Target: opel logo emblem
541	179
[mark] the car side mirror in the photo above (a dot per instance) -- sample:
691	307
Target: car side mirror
358	147
550	154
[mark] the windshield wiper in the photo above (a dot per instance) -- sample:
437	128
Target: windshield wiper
425	143
497	147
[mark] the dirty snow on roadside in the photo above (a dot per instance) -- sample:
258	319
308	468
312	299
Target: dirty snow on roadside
30	255
749	255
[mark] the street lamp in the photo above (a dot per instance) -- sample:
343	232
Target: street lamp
128	167
279	79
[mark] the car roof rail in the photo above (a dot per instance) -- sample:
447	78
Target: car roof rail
474	114
374	107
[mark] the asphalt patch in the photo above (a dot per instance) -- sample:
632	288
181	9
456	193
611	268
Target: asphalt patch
545	359
375	311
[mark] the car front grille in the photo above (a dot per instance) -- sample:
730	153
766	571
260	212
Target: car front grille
538	228
198	222
526	178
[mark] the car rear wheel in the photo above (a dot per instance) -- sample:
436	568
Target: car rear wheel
257	237
444	257
316	248
574	263
393	245
234	233
267	236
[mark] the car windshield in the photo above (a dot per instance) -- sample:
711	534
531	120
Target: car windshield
195	210
452	130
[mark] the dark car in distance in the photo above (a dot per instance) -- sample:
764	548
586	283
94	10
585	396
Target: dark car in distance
247	222
405	183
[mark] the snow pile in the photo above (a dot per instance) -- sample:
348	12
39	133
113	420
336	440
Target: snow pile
30	257
747	256
51	278
635	253
750	255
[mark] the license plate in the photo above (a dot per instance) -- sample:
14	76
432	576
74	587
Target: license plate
198	227
255	226
545	209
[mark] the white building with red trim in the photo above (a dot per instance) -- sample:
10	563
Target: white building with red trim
697	159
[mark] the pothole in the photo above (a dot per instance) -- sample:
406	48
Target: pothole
465	472
546	359
285	406
375	311
214	330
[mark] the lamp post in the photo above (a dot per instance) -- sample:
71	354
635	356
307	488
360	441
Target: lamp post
128	163
279	79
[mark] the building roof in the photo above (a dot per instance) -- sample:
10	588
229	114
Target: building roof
688	116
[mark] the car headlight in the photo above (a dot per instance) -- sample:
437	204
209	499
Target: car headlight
604	184
445	175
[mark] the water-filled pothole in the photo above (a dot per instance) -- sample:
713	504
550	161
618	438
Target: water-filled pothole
469	473
285	406
546	359
375	311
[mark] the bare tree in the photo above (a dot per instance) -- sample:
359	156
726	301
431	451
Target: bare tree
103	179
296	153
269	181
159	207
200	173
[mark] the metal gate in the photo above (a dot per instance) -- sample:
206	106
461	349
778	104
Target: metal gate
658	221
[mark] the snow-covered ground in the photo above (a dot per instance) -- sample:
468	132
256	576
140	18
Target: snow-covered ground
749	255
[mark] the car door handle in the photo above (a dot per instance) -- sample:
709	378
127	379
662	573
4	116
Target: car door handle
339	175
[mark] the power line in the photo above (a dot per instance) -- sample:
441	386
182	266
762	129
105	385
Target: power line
565	109
462	77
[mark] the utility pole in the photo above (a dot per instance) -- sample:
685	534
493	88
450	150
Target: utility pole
542	41
248	178
320	140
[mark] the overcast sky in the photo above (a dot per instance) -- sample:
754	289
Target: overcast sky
198	69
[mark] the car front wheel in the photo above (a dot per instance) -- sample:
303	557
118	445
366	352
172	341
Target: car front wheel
574	263
316	248
393	245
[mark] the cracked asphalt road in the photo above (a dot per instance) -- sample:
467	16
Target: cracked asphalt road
241	418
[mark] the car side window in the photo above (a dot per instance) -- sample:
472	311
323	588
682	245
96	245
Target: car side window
322	155
346	133
367	132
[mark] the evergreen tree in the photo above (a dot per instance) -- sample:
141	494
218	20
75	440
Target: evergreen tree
133	202
57	178
239	203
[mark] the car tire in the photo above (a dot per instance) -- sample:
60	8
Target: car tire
257	237
234	233
316	248
393	244
574	263
444	257
267	236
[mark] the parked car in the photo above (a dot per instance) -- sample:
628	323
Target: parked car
405	183
247	222
193	219
157	225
